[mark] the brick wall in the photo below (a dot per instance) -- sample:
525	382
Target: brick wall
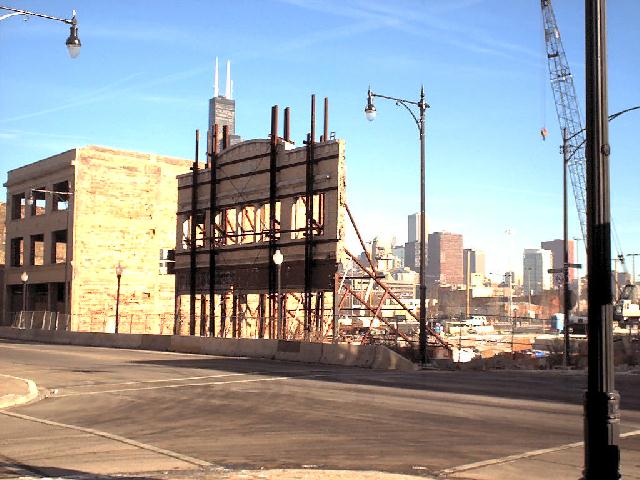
124	212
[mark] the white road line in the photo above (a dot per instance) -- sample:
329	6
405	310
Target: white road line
140	382
110	436
13	400
179	385
520	456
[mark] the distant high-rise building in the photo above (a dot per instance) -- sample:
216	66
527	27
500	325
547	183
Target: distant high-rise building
398	252
412	255
222	108
536	264
557	249
413	228
445	259
476	263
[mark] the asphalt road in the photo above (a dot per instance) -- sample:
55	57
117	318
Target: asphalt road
147	413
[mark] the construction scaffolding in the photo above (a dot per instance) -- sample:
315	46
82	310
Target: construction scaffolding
249	201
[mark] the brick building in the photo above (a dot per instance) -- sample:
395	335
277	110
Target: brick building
444	258
73	217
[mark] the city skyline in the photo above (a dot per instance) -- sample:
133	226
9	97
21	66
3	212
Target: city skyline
120	93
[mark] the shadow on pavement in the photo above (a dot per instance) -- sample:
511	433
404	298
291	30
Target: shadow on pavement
549	385
14	469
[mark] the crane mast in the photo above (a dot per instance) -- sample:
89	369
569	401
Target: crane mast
568	111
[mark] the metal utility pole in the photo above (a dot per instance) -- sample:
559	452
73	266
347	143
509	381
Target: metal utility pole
601	406
468	275
633	265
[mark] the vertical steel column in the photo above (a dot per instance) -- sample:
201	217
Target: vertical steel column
566	306
213	186
203	315
336	306
192	253
287	125
260	315
308	240
234	313
601	406
272	218
223	312
325	134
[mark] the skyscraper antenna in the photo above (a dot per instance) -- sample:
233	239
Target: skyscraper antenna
228	86
215	80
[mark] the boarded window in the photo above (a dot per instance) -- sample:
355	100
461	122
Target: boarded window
59	246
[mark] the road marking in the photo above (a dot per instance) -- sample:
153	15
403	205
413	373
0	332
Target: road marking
11	400
521	456
198	384
139	382
110	436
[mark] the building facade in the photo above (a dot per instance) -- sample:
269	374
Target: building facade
72	218
536	264
557	250
444	265
476	269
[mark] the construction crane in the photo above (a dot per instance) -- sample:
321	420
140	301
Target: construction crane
568	110
570	119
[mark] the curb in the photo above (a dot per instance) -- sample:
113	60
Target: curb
11	400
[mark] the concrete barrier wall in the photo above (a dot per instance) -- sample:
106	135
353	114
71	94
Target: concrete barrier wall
365	356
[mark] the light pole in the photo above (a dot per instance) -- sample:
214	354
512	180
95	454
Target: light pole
73	41
25	278
601	401
278	258
119	270
578	239
370	112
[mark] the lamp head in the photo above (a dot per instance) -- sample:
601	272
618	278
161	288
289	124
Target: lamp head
73	42
24	277
119	270
278	258
370	110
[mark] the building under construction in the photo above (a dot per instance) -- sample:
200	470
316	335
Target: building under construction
246	202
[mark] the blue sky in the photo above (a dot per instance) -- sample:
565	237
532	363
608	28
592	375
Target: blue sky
145	74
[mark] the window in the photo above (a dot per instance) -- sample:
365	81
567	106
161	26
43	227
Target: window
18	206
299	216
247	224
59	244
265	220
200	231
38	201
37	250
60	200
17	252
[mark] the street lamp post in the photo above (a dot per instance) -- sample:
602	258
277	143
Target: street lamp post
601	401
119	270
73	41
25	278
278	258
370	112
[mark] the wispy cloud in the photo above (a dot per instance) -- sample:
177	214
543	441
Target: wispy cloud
416	18
99	94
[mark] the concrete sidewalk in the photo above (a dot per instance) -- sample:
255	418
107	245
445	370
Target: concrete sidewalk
16	391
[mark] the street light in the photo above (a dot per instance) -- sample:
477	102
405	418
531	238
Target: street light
601	401
73	41
278	258
370	113
119	270
25	278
